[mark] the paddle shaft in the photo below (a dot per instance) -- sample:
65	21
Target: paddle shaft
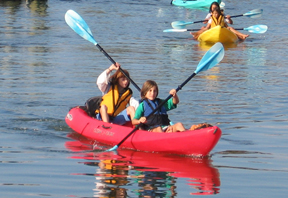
226	17
239	28
191	30
156	109
253	29
237	15
77	23
234	16
111	59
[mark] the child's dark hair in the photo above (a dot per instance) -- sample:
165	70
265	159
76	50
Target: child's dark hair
118	74
214	3
217	9
147	86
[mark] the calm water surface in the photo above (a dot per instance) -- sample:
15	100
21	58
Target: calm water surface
46	68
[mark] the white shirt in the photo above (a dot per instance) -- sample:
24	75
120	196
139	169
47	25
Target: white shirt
209	18
104	86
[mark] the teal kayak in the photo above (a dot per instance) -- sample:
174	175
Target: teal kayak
194	3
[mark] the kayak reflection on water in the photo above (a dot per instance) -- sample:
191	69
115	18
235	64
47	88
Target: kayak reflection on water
144	174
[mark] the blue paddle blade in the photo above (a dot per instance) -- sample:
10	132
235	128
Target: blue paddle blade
114	148
257	29
180	24
176	30
254	13
77	23
211	58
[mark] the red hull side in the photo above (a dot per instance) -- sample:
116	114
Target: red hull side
197	142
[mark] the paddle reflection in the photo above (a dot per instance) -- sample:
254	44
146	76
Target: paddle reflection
130	173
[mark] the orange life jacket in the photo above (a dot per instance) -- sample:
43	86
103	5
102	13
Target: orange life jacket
220	21
119	103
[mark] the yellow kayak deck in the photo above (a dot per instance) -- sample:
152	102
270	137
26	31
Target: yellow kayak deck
218	34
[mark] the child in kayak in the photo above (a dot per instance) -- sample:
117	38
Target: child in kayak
217	18
116	96
212	7
159	121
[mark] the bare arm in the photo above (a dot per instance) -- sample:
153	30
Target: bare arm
229	20
175	96
103	78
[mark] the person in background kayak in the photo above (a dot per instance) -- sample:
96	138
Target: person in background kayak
217	18
212	7
159	121
115	88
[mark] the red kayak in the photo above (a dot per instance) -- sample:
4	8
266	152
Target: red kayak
197	142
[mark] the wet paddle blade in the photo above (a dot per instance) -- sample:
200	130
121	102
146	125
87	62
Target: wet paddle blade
211	58
180	24
254	13
175	30
77	23
259	29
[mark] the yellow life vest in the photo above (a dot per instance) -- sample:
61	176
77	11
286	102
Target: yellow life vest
220	21
119	104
